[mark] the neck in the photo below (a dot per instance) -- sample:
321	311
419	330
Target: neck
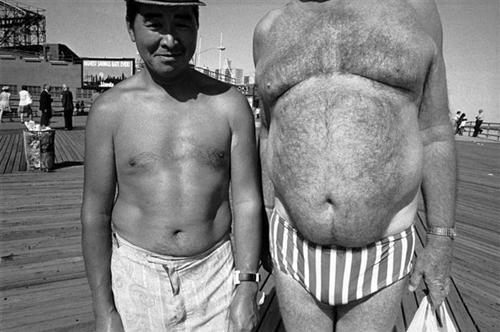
178	86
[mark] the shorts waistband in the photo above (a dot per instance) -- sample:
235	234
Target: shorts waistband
153	257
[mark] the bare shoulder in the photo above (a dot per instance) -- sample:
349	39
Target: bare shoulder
224	98
106	109
266	22
429	18
261	32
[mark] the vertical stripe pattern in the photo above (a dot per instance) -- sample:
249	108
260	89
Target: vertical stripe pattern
336	275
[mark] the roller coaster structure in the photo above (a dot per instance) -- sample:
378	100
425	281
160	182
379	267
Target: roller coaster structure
21	25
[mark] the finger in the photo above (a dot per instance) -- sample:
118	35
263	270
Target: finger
438	292
415	280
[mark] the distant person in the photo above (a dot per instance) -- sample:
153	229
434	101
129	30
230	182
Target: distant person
25	102
462	121
95	95
455	121
45	106
162	149
68	107
77	107
82	107
4	101
479	122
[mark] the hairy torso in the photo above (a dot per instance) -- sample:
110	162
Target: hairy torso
343	82
173	167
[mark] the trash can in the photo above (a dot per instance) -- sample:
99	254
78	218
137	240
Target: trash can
39	149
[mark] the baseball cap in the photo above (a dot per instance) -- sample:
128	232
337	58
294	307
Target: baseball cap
171	2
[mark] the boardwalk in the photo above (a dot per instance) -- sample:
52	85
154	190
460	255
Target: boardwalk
42	280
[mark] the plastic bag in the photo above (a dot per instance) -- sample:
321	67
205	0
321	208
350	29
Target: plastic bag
425	319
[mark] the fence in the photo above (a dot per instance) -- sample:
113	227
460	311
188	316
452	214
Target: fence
489	130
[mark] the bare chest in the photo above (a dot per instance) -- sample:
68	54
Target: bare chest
173	143
381	43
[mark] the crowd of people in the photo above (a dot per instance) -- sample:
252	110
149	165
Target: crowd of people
25	109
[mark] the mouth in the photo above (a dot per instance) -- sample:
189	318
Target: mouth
169	56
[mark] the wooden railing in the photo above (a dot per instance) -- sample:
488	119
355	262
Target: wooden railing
489	130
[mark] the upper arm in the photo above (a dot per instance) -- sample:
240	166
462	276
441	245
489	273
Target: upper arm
434	111
245	178
261	39
100	173
261	32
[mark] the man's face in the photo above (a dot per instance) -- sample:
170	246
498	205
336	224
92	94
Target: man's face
165	37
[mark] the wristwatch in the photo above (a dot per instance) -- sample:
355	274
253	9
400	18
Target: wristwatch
443	231
240	277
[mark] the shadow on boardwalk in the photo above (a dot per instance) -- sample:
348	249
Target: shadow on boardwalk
42	279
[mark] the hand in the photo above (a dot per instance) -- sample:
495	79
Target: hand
434	265
111	322
244	314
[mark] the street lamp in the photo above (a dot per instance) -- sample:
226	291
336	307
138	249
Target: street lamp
221	49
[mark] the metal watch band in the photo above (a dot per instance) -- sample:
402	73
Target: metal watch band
443	231
240	277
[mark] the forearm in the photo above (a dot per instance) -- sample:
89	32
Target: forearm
439	181
97	247
267	185
247	236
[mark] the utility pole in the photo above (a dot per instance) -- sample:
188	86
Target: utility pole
197	56
221	49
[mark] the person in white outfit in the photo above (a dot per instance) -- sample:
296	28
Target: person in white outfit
25	102
4	101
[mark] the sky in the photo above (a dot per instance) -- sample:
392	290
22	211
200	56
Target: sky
471	35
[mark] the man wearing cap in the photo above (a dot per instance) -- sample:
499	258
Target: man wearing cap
162	149
355	123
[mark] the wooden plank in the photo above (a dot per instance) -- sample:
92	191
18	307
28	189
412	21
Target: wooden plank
39	225
5	153
71	145
68	306
19	156
10	160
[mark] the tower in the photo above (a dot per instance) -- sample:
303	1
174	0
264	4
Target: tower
21	25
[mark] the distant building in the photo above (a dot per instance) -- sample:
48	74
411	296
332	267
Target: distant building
35	65
238	75
56	64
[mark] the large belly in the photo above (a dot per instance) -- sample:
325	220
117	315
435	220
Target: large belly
345	158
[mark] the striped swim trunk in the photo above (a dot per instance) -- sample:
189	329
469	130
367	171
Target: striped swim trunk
338	275
155	292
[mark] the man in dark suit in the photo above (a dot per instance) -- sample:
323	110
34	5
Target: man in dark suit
67	104
45	105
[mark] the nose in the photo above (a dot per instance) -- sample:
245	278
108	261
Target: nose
168	41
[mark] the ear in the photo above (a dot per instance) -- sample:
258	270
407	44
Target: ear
130	30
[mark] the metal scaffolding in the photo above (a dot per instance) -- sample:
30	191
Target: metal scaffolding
21	25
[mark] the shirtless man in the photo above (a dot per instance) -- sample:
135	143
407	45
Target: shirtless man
161	151
355	124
